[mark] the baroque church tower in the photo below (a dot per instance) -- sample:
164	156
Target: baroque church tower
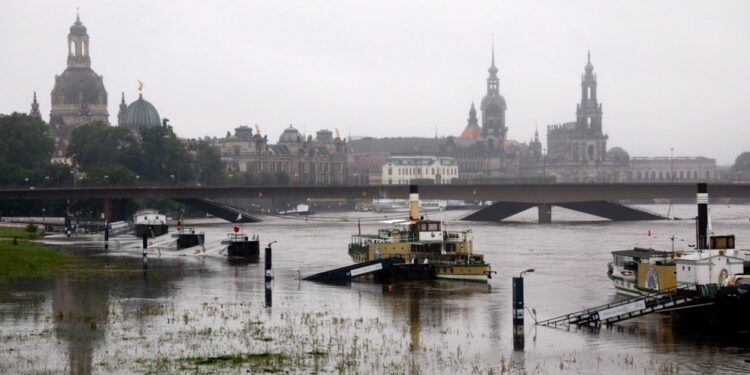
583	140
78	97
493	111
589	111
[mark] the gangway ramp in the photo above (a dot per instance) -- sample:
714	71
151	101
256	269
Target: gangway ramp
629	308
226	212
348	273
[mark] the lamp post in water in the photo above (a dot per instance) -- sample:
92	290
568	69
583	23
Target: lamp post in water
518	313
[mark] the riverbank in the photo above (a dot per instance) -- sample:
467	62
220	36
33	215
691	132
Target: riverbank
21	232
29	259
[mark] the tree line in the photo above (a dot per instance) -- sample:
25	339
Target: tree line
104	155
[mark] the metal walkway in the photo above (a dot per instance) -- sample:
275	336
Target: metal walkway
628	309
217	209
348	273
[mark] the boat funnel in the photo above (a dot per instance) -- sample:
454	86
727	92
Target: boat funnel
701	240
413	202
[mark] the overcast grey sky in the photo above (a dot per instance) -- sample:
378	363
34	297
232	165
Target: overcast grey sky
671	73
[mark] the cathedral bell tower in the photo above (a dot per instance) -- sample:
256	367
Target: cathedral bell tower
79	96
589	111
78	45
493	111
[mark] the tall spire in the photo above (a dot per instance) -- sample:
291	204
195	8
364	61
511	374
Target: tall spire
589	68
35	108
473	115
493	69
123	108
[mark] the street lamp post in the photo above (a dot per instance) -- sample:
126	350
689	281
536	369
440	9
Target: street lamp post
518	297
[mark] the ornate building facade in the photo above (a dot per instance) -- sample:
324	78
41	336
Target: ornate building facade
79	96
319	161
577	151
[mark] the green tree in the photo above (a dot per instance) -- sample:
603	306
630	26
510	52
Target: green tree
164	156
26	147
97	144
209	169
109	175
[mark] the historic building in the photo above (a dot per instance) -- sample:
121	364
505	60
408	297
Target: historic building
577	151
482	153
78	97
138	114
472	130
307	161
672	169
403	170
493	112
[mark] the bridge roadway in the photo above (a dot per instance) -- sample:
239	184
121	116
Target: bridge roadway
537	193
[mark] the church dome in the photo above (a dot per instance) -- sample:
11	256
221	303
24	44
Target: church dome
493	103
78	28
618	154
79	85
139	114
290	135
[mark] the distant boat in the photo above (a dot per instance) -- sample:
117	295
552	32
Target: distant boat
150	223
301	209
241	245
402	205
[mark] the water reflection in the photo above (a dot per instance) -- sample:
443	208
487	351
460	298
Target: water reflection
194	306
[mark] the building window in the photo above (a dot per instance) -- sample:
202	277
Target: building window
390	171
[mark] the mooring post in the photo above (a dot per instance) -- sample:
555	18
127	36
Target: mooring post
518	311
269	269
518	301
145	251
106	234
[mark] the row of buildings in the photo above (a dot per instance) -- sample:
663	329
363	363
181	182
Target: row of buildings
576	151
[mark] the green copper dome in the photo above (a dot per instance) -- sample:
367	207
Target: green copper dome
140	113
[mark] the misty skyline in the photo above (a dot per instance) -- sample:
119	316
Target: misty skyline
670	74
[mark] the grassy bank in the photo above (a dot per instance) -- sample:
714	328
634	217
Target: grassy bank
28	259
21	232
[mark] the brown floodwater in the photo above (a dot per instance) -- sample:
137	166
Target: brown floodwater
201	314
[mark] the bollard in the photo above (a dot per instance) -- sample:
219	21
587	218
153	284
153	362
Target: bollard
518	301
269	294
145	251
269	270
106	235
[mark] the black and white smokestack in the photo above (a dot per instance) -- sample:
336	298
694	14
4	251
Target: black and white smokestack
702	200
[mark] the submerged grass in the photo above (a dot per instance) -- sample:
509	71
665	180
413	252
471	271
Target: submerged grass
28	259
20	232
268	362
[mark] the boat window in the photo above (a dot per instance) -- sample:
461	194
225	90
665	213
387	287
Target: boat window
434	227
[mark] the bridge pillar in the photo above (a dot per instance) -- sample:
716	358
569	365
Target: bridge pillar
545	213
115	209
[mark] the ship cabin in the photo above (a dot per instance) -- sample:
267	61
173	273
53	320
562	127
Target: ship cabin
415	241
643	269
707	269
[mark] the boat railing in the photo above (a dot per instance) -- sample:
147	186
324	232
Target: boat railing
187	230
241	237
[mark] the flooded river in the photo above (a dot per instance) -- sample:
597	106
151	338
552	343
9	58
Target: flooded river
204	315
